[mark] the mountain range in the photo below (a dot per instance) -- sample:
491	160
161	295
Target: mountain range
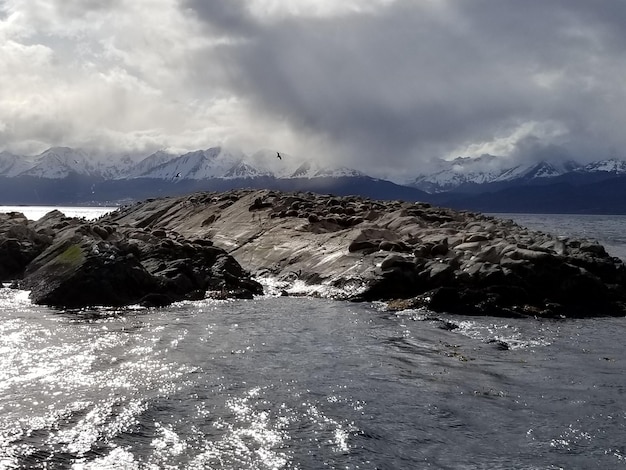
465	174
62	175
216	162
493	184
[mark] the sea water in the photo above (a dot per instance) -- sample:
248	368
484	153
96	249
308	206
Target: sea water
300	383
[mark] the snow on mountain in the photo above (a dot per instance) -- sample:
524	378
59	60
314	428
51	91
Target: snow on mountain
245	170
289	166
338	172
218	162
611	165
149	163
312	169
451	174
12	165
60	162
115	166
538	170
215	162
267	161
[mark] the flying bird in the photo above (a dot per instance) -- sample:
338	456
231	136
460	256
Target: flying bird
278	156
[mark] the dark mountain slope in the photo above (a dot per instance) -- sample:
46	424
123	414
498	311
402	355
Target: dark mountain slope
603	197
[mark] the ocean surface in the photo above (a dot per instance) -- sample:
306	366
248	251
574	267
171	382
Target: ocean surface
297	383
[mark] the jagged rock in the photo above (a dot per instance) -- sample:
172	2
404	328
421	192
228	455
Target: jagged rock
87	265
359	249
437	273
493	266
71	275
20	243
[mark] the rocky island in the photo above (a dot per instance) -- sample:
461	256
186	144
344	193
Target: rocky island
221	244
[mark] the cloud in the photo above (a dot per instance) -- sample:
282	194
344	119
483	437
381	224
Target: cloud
412	81
380	85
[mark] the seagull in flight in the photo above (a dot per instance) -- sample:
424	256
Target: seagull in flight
278	156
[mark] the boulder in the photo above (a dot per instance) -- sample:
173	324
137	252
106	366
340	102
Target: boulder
87	265
71	275
20	243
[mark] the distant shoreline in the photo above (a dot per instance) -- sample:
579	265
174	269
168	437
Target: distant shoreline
34	212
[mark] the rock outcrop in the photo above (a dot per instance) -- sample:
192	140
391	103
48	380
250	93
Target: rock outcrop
20	243
360	249
73	263
410	254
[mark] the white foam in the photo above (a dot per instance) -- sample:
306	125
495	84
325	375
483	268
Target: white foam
274	287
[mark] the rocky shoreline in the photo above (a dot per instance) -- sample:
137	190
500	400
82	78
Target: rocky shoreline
72	263
412	255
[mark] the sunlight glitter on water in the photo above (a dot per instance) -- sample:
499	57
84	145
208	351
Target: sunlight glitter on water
77	382
118	458
250	440
287	383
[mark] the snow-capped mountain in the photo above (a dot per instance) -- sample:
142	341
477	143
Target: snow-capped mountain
538	170
611	165
486	183
462	171
486	172
338	172
310	169
218	162
12	165
148	164
60	162
215	162
245	170
448	175
279	165
119	166
286	166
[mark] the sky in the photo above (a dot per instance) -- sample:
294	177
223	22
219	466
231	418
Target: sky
384	86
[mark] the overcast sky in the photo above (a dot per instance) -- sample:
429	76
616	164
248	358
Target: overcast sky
379	85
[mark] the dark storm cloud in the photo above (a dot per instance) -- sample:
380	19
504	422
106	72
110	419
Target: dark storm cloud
381	85
224	16
420	79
